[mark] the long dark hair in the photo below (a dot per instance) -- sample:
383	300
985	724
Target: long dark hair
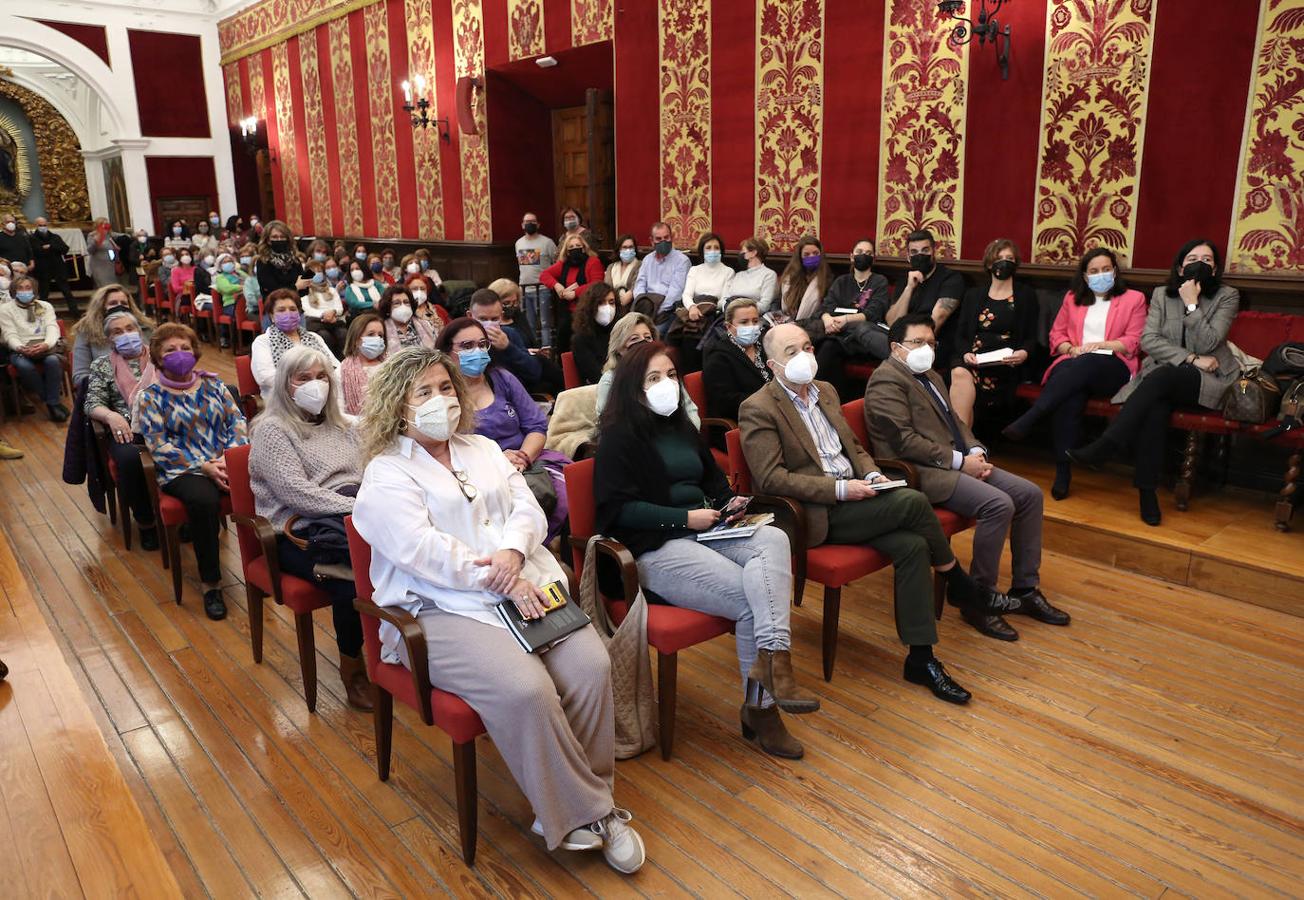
587	310
1208	286
627	403
795	277
1083	295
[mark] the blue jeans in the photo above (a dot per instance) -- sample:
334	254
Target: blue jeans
41	375
748	580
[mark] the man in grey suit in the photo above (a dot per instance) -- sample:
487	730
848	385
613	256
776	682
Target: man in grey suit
909	416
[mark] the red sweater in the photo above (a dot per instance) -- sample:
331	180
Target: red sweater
562	274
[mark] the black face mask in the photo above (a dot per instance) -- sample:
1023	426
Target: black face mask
862	261
1004	268
531	227
1199	270
280	245
576	257
662	248
921	262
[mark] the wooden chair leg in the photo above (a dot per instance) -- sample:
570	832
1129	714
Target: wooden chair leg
255	599
1187	472
384	722
467	798
111	502
307	657
667	690
832	609
1286	498
172	546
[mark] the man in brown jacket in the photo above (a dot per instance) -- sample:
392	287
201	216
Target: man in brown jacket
798	445
909	416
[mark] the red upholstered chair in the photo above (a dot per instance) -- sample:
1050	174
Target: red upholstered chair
569	371
216	318
160	301
244	325
263	576
832	565
114	499
448	712
860	371
695	387
250	393
170	514
669	628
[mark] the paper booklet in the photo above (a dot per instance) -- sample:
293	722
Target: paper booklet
992	357
562	618
743	527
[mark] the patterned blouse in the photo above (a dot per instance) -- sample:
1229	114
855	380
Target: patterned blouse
184	431
102	386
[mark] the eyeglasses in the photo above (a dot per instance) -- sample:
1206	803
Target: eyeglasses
468	489
482	344
915	343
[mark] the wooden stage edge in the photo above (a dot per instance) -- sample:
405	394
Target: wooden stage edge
68	821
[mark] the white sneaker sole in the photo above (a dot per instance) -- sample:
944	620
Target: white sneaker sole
642	857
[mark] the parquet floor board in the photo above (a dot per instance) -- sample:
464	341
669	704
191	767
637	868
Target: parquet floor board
1150	749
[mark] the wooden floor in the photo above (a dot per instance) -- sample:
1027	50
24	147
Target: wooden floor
1152	748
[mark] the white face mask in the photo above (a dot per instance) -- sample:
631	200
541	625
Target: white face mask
437	418
357	275
605	314
801	369
920	359
413	268
311	396
419	297
663	397
401	314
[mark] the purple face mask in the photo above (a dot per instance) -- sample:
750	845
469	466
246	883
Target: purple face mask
810	263
286	321
178	364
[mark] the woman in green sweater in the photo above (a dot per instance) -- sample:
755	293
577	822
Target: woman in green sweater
657	486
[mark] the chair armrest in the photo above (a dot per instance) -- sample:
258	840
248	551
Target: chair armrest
623	558
793	516
414	639
543	397
150	476
266	536
907	470
715	422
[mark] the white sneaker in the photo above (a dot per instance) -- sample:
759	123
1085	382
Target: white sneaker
582	838
621	845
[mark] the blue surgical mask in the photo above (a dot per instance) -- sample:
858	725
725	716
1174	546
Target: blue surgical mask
332	273
372	346
425	264
228	267
359	256
473	362
318	278
1101	282
318	256
711	257
128	344
24	297
246	260
627	255
746	335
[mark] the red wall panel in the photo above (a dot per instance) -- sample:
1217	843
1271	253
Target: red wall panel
169	84
520	171
301	170
1002	135
261	62
330	122
180	176
1199	87
446	100
733	123
92	37
557	24
638	145
853	42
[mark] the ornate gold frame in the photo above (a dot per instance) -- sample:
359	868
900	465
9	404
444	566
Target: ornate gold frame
22	167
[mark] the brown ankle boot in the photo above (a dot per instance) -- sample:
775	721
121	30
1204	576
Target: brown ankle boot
764	725
357	687
773	671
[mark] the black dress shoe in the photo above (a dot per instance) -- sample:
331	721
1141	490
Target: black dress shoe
1060	488
58	412
992	626
149	538
1034	604
214	605
1150	513
932	675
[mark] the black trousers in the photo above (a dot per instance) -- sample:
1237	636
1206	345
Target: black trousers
1071	384
56	274
131	482
1143	421
831	360
333	333
203	501
348	626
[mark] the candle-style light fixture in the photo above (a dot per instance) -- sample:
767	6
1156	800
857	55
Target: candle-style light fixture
985	28
249	134
418	106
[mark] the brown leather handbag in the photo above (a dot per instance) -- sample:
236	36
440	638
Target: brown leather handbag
1252	398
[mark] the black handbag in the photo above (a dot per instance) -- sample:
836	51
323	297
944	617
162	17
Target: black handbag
1252	398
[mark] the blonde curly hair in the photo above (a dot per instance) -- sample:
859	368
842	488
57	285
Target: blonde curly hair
383	413
91	324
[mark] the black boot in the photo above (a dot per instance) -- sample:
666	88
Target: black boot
1150	513
1063	473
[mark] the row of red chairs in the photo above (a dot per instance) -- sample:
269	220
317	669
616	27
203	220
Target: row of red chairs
156	302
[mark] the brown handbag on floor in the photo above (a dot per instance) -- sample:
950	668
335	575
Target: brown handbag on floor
1252	398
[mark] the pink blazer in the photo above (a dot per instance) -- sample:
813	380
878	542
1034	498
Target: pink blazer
1125	322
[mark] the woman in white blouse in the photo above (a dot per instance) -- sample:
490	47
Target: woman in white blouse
454	532
703	298
755	281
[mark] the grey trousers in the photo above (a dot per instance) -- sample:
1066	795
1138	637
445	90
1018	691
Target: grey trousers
748	580
551	716
1004	503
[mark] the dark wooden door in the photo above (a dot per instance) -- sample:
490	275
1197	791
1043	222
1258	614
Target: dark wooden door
194	209
583	163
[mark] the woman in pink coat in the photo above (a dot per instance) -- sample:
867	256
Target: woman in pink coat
1094	342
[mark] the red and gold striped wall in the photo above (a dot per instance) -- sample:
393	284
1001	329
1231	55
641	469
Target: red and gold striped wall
1131	123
